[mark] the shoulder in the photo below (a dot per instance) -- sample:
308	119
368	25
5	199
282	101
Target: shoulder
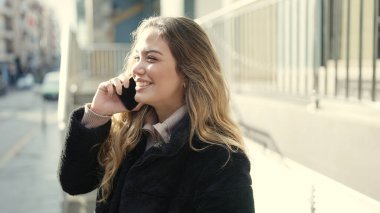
224	182
219	154
217	163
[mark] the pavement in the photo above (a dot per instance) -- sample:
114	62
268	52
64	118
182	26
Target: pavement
29	154
283	185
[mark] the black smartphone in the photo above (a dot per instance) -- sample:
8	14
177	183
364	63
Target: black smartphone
127	96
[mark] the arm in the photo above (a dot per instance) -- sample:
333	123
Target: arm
79	170
224	187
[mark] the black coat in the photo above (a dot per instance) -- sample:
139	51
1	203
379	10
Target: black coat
171	178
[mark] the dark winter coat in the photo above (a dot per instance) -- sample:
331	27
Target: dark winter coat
171	178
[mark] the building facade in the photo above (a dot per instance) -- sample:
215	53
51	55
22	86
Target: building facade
107	21
29	38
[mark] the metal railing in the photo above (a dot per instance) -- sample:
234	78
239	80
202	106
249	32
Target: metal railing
299	48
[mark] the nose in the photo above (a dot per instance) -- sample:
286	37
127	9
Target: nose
138	69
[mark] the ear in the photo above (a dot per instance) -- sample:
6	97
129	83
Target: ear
184	80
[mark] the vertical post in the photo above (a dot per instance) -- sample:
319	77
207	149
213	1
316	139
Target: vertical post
317	51
270	42
251	50
348	48
360	49
306	45
325	40
237	49
275	45
290	71
43	113
336	24
375	48
283	52
322	31
297	67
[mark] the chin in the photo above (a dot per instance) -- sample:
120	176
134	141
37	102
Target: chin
140	99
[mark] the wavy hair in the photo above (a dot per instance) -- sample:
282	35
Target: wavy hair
206	96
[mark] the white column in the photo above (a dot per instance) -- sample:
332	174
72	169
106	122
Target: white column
172	8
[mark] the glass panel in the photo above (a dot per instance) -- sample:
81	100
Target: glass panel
80	11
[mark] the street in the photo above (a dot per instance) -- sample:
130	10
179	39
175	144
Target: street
29	154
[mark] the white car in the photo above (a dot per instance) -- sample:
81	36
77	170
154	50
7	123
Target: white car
50	86
25	82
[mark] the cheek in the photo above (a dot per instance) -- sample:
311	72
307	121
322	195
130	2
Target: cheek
170	85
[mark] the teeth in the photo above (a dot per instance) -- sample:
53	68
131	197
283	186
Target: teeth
142	84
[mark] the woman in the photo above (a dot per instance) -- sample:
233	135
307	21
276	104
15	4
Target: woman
178	150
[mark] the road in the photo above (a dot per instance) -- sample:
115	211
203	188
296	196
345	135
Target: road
29	154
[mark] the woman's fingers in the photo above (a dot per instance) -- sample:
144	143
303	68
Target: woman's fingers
119	82
115	85
110	88
124	80
105	101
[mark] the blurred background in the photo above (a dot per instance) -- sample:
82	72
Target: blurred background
303	75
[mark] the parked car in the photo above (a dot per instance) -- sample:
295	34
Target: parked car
50	86
25	82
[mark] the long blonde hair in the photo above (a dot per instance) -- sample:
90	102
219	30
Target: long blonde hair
206	95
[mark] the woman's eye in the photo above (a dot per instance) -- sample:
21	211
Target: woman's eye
136	58
150	59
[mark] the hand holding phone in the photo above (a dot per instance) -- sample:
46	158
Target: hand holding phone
127	96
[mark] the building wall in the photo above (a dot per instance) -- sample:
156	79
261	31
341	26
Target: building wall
5	35
28	38
107	21
128	15
125	18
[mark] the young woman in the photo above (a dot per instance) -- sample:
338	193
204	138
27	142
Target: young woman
178	150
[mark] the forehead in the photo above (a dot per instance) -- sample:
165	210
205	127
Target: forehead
150	39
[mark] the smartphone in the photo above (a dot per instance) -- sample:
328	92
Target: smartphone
127	96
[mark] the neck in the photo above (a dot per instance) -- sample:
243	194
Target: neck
164	112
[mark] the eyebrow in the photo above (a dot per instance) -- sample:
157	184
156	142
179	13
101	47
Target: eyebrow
150	51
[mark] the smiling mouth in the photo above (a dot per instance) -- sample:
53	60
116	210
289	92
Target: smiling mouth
143	84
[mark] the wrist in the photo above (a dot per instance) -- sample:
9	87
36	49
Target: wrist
96	111
92	119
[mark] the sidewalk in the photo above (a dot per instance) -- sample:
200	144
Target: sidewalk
282	185
28	177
